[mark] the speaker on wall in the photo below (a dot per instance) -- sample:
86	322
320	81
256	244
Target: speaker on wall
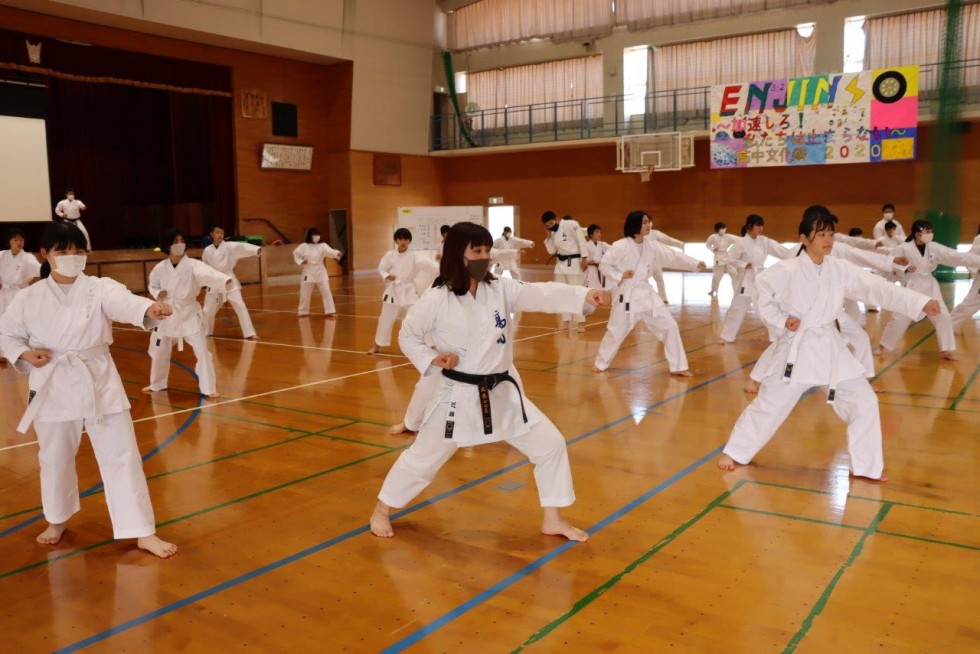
284	119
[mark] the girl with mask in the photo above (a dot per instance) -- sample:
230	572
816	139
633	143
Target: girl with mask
718	243
481	398
17	267
59	330
310	255
800	300
177	281
924	256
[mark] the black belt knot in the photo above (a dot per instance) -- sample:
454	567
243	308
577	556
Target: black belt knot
485	384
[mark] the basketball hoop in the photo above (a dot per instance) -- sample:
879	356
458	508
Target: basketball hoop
645	174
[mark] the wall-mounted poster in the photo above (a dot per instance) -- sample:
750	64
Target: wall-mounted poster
871	116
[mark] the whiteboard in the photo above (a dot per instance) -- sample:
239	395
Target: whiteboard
24	183
424	223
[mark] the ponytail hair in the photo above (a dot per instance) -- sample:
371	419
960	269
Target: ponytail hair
917	227
59	236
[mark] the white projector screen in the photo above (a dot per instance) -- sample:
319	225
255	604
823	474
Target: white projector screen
24	184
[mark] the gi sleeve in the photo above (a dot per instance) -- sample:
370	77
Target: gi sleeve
417	325
548	297
120	305
14	337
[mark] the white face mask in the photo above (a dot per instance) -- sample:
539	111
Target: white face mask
927	237
71	198
69	265
888	215
316	238
178	249
723	231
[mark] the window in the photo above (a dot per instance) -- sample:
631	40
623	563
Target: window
854	42
635	66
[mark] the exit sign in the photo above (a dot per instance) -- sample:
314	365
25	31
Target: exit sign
497	200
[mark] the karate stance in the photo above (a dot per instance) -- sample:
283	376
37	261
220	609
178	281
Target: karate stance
718	243
398	268
18	268
70	210
801	300
924	257
596	249
222	255
177	281
748	254
310	255
480	397
971	303
565	239
506	253
59	330
627	265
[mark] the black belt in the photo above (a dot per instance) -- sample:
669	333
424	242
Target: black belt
569	257
485	384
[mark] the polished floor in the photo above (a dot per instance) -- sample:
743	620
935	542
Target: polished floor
267	492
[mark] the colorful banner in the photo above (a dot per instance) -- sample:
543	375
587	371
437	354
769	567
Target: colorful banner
871	116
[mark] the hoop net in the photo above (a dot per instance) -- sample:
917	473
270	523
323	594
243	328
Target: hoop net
645	174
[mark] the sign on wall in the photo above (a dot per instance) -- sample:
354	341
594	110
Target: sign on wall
871	116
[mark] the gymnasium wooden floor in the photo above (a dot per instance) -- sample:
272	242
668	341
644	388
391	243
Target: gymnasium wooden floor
268	490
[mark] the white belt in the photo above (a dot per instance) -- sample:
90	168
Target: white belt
794	351
70	357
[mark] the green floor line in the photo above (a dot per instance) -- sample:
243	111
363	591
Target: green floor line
615	579
859	497
902	356
821	603
789	516
935	541
966	387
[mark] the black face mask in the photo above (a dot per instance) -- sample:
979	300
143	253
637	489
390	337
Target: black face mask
554	227
477	268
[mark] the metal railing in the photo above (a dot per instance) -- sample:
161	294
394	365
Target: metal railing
674	110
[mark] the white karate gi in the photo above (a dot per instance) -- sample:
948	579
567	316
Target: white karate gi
15	274
858	242
80	388
570	242
593	278
719	244
509	262
477	330
747	250
657	273
816	355
635	300
923	282
888	243
223	259
182	283
971	303
879	229
71	210
311	256
400	293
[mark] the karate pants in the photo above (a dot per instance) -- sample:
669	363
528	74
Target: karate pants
572	279
968	307
160	348
417	466
592	278
856	404
659	321
515	272
306	292
658	276
892	335
114	443
386	322
425	390
81	227
717	272
214	301
735	316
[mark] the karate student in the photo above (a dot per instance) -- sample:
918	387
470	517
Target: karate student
748	254
222	255
971	303
855	238
507	243
310	254
801	299
628	265
70	210
18	268
59	330
924	257
177	281
657	273
480	397
565	239
398	268
718	243
891	239
596	249
887	214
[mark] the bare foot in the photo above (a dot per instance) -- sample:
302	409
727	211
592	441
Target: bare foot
213	396
722	341
878	351
400	428
380	522
150	389
252	338
374	350
154	545
950	355
682	373
877	388
558	526
331	316
52	534
881	478
580	329
726	462
597	370
302	315
751	386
